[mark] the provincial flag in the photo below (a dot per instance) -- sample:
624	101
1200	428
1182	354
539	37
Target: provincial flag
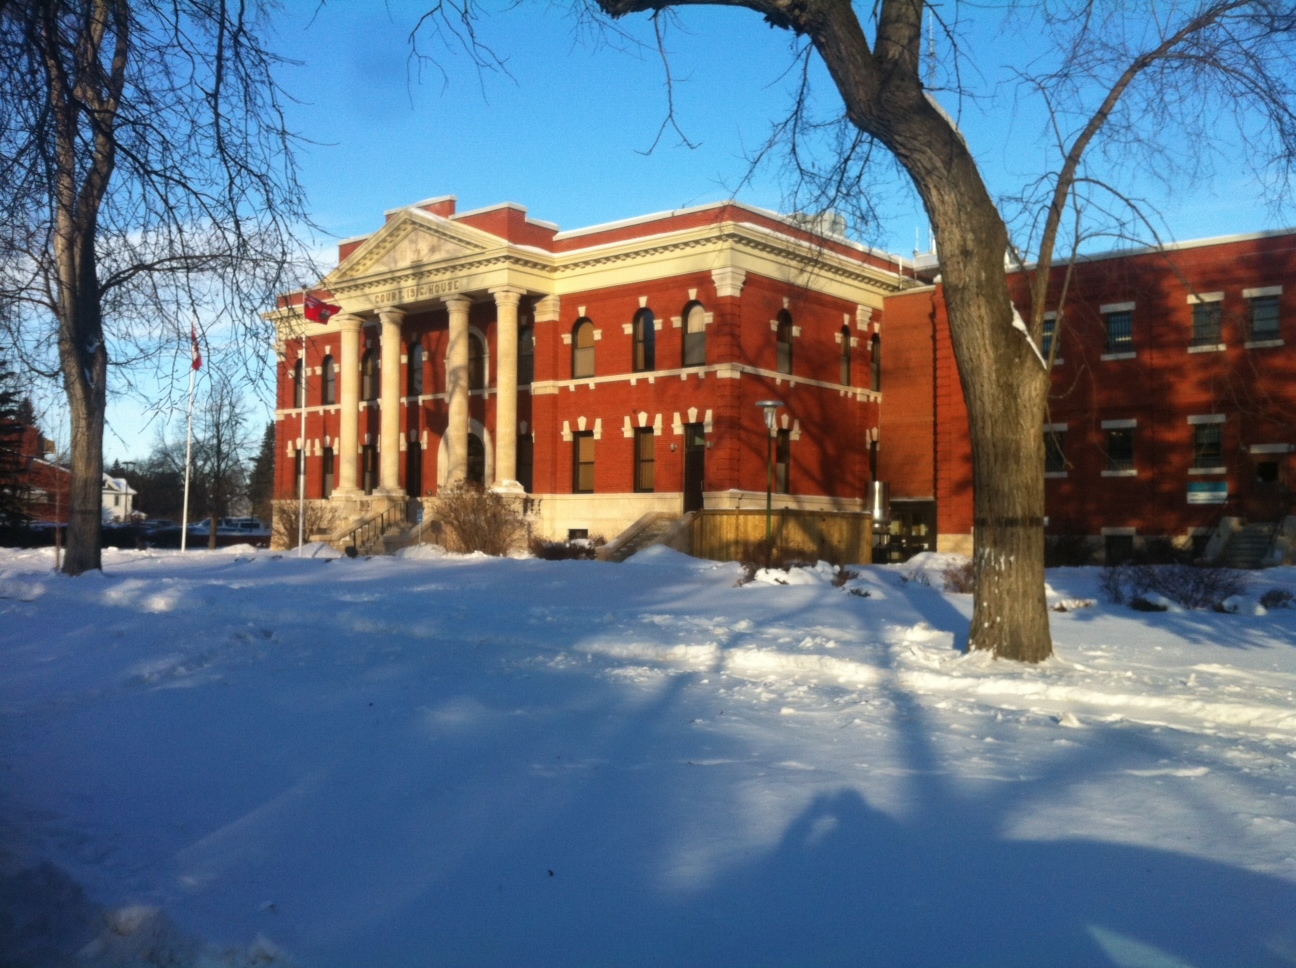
197	353
317	310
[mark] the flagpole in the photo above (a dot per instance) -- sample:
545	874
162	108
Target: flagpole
301	477
184	514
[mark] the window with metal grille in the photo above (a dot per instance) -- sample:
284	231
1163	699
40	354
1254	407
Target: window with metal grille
1206	324
1120	331
582	349
1046	338
583	462
645	449
1265	322
1120	449
1208	445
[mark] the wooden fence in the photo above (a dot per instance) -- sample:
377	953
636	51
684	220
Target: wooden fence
841	537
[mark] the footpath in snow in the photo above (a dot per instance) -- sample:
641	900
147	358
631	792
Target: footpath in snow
239	758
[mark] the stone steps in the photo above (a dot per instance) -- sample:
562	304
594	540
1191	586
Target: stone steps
1248	547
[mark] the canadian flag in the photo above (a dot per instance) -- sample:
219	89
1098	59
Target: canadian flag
317	310
197	352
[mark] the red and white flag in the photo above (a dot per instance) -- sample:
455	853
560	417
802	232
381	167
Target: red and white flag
317	310
197	353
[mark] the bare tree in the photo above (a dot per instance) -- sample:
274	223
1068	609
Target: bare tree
1117	78
146	180
221	444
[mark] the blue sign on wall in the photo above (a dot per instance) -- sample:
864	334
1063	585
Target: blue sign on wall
1208	492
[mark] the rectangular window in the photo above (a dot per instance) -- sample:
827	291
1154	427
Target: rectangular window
1267	472
329	474
1046	341
1208	445
1264	318
1120	331
369	460
526	462
1120	449
645	447
783	462
1206	323
583	462
1055	452
299	471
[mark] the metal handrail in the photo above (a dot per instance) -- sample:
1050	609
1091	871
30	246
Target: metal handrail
375	525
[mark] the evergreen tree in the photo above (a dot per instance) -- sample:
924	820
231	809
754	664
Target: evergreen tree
261	483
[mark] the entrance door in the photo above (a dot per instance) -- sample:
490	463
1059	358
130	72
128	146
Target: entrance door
476	460
414	470
694	466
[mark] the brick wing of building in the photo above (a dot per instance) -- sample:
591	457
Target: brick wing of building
606	372
1172	414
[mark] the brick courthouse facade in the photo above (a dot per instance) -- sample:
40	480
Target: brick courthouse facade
607	372
613	371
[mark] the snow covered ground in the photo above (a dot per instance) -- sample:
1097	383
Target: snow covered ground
240	758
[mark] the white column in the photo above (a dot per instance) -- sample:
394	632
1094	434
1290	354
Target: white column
349	431
457	388
506	386
389	468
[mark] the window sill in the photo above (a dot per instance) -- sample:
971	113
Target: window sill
1054	475
1208	470
1119	356
1132	472
1208	348
1264	344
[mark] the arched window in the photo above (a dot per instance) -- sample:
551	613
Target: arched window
299	384
582	348
330	382
526	356
369	375
784	335
476	362
645	341
845	357
694	335
415	370
875	377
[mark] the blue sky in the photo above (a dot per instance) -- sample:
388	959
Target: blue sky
566	131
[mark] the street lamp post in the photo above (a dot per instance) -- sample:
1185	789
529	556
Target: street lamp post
770	407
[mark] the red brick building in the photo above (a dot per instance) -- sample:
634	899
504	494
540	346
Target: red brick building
607	372
1173	408
613	371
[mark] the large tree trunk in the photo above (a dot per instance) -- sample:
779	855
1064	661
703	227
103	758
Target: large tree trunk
1003	383
84	361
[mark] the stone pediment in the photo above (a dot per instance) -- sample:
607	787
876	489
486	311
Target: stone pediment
411	243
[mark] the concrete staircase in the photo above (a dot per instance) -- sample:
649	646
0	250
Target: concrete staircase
1249	547
653	528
